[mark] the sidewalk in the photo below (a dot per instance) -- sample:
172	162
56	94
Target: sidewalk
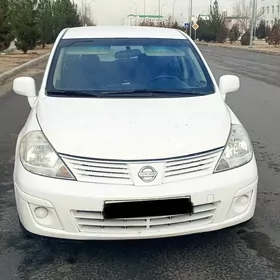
258	46
16	58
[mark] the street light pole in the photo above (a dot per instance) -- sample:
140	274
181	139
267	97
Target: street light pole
135	4
173	11
144	10
252	23
82	5
255	22
135	10
161	8
190	20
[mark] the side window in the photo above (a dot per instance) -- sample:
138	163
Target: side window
184	69
197	71
59	68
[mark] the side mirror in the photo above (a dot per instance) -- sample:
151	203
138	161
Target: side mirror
229	83
26	86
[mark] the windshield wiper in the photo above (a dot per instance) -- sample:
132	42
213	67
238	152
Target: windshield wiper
124	93
72	93
150	93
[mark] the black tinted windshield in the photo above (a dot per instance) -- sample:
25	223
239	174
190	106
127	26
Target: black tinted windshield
128	65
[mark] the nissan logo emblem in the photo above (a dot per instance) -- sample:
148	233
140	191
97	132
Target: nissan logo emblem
147	174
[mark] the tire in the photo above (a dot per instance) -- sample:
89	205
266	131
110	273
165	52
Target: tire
24	232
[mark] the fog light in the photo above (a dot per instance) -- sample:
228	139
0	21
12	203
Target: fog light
45	216
242	200
41	212
239	205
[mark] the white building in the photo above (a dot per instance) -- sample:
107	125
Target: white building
270	10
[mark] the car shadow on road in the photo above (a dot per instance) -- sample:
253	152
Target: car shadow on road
198	250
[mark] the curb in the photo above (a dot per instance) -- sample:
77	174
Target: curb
12	72
238	48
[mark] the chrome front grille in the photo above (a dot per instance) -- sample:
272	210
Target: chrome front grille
191	166
97	171
119	172
93	222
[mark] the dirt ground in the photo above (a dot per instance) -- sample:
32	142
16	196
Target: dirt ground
16	58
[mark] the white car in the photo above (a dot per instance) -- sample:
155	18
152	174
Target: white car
129	137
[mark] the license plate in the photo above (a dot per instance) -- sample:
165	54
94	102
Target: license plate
147	208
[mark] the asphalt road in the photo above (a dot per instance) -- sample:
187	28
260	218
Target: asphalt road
249	251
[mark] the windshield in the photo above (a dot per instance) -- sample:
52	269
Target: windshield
122	65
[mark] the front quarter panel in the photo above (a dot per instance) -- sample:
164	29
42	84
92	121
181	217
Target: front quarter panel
234	119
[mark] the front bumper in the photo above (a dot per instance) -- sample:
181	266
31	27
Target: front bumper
75	208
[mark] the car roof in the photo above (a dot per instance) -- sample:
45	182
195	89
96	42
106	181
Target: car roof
88	32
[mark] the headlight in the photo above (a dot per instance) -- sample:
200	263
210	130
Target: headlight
38	156
238	150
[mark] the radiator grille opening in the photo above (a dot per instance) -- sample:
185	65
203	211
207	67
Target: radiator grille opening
93	222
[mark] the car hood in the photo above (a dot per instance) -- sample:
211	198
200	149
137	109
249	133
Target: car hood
134	129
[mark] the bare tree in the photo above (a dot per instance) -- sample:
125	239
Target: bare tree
86	15
243	13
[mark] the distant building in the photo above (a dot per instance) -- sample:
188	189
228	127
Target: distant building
204	17
270	10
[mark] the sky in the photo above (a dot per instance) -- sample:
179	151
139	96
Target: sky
113	12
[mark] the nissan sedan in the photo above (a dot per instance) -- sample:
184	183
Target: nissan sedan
129	137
